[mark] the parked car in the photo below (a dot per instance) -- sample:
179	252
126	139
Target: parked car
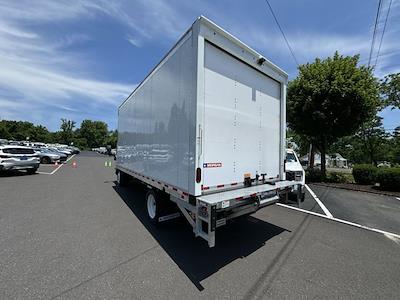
384	164
295	171
65	151
48	157
102	150
18	158
75	150
63	156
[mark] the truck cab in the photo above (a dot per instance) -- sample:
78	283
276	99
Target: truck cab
294	171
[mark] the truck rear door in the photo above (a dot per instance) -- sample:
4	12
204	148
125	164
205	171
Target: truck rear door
241	121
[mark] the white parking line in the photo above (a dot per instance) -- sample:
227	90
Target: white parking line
323	207
393	236
398	198
56	169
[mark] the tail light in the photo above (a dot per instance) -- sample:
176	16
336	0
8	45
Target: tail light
198	175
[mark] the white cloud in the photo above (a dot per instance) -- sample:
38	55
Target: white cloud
36	71
133	41
36	68
149	19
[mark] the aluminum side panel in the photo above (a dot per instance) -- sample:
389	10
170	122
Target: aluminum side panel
157	123
242	119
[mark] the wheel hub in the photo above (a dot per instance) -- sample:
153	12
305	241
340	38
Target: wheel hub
151	206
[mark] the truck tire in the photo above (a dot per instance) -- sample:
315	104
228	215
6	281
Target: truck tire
154	206
122	178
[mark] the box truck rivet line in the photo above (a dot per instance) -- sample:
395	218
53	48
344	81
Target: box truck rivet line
205	132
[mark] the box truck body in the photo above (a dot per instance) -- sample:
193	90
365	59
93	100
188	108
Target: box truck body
207	128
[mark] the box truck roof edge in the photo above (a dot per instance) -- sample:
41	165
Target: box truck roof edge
207	22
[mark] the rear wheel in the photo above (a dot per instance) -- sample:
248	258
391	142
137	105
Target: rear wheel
45	160
122	178
154	206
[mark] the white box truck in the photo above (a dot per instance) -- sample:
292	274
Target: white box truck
205	130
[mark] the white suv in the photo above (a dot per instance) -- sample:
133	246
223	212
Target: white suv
18	158
295	171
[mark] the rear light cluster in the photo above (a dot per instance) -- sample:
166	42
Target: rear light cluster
198	175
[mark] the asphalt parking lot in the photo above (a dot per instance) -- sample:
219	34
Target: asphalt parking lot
371	210
74	234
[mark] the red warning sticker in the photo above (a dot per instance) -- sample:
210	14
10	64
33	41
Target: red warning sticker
212	165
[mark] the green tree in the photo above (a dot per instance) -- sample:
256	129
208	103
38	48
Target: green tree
20	130
390	89
330	99
4	133
67	131
301	141
350	148
395	146
112	138
95	133
374	140
40	134
369	145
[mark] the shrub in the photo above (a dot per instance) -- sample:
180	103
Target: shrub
337	177
314	175
388	178
364	174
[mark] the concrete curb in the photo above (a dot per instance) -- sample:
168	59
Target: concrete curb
377	192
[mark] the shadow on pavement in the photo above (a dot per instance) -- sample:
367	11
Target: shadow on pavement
14	173
192	255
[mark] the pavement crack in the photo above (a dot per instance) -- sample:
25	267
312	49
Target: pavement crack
104	272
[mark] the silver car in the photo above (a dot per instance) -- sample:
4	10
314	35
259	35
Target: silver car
65	151
18	158
47	156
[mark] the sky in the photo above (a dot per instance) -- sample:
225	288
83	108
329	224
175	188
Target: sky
80	59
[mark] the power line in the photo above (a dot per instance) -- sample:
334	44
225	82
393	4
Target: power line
364	60
374	34
283	34
383	33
